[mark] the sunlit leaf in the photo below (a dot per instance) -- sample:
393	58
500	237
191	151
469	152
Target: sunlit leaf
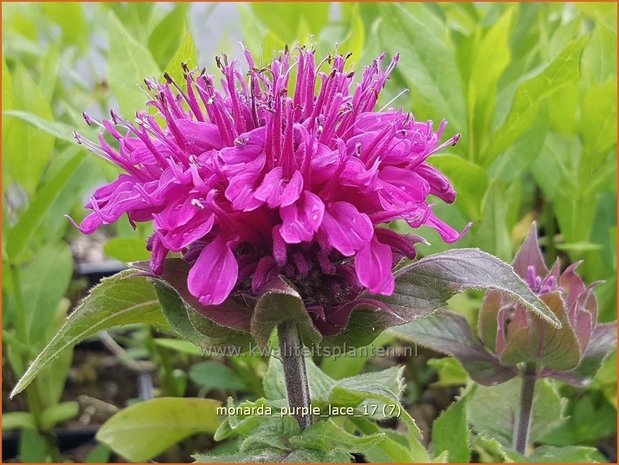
144	430
26	150
561	70
129	63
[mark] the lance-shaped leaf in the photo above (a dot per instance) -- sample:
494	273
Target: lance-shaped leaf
536	341
450	333
280	302
425	286
603	340
119	300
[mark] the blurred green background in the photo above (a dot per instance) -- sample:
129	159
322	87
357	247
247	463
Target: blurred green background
532	89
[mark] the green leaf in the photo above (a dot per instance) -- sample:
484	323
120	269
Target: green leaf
32	447
215	375
517	158
392	448
49	73
283	19
492	410
427	64
275	384
450	432
276	456
126	249
119	300
17	420
186	53
99	454
374	395
449	371
344	365
58	413
7	86
450	333
144	430
326	436
57	129
71	18
19	236
129	63
27	150
491	56
52	378
279	302
600	57
563	69
599	120
566	454
45	282
493	231
590	420
184	347
168	34
469	181
355	39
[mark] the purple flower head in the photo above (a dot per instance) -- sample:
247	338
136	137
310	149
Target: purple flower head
517	336
286	170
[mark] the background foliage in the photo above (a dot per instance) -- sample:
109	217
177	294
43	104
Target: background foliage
530	87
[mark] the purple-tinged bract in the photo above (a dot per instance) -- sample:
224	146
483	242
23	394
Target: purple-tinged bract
573	352
285	170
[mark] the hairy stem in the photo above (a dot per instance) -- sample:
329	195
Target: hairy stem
295	373
525	412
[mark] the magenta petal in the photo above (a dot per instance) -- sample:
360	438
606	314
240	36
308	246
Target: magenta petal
240	192
302	219
89	224
439	184
199	136
214	274
347	229
159	253
448	234
373	266
292	190
179	238
277	191
270	189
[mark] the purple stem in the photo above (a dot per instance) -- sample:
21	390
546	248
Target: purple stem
295	373
525	414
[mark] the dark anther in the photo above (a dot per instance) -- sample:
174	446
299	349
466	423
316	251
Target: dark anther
168	78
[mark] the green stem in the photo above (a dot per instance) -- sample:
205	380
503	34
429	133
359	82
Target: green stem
525	412
295	373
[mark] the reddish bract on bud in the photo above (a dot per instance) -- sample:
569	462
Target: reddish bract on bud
517	336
